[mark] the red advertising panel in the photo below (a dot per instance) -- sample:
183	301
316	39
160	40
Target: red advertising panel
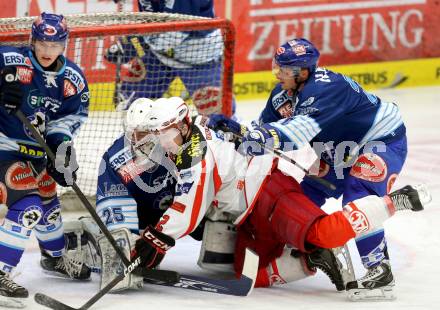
344	31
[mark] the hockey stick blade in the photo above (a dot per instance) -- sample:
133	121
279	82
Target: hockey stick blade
51	303
235	287
164	276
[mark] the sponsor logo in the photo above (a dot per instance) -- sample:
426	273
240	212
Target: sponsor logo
114	190
208	134
50	30
299	50
30	150
76	78
120	158
3	193
69	89
25	74
20	177
48	103
184	188
46	185
15	59
306	111
307	102
370	167
280	50
30	217
186	175
85	96
179	207
358	220
240	184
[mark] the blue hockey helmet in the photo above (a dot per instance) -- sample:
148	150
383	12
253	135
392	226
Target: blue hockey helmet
49	27
296	54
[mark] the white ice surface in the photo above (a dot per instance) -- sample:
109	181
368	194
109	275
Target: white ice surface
413	239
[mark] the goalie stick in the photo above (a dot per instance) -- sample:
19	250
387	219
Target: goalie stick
281	155
235	287
158	275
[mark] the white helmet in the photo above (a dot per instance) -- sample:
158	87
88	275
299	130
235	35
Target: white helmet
168	112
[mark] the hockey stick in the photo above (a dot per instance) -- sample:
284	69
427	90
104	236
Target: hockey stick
281	155
80	194
159	275
235	287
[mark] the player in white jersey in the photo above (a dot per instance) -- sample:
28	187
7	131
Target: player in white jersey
217	183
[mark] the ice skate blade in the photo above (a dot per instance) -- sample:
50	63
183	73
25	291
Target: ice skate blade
11	302
385	293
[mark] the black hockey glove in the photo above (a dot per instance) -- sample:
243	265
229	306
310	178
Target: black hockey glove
11	95
63	170
152	247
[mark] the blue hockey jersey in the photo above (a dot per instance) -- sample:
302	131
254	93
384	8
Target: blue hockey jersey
204	8
55	102
332	109
122	201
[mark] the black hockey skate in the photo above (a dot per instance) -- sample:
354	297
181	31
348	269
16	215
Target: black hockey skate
377	284
12	295
410	198
65	266
325	260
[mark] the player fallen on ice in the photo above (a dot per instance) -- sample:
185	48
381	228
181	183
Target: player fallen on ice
52	93
269	209
359	139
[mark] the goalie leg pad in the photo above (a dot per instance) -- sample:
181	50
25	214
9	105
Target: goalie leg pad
112	264
81	241
217	250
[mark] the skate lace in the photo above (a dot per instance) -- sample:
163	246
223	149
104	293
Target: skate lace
9	283
72	266
371	274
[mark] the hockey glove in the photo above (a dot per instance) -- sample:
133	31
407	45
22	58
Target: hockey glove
152	247
256	141
219	121
63	170
11	95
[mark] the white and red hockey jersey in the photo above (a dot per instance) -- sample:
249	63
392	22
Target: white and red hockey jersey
214	180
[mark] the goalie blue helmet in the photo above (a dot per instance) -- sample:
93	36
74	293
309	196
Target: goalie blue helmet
50	27
296	54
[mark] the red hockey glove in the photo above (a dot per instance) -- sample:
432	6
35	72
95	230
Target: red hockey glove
152	247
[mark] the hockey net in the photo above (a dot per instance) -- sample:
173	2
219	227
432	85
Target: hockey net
114	85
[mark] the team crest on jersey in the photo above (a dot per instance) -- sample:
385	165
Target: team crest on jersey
3	193
25	74
69	89
129	171
370	167
50	78
46	185
30	217
20	177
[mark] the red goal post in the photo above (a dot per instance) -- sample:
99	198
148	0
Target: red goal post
90	37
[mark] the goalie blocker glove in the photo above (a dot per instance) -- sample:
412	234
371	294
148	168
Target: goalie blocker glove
11	95
152	247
